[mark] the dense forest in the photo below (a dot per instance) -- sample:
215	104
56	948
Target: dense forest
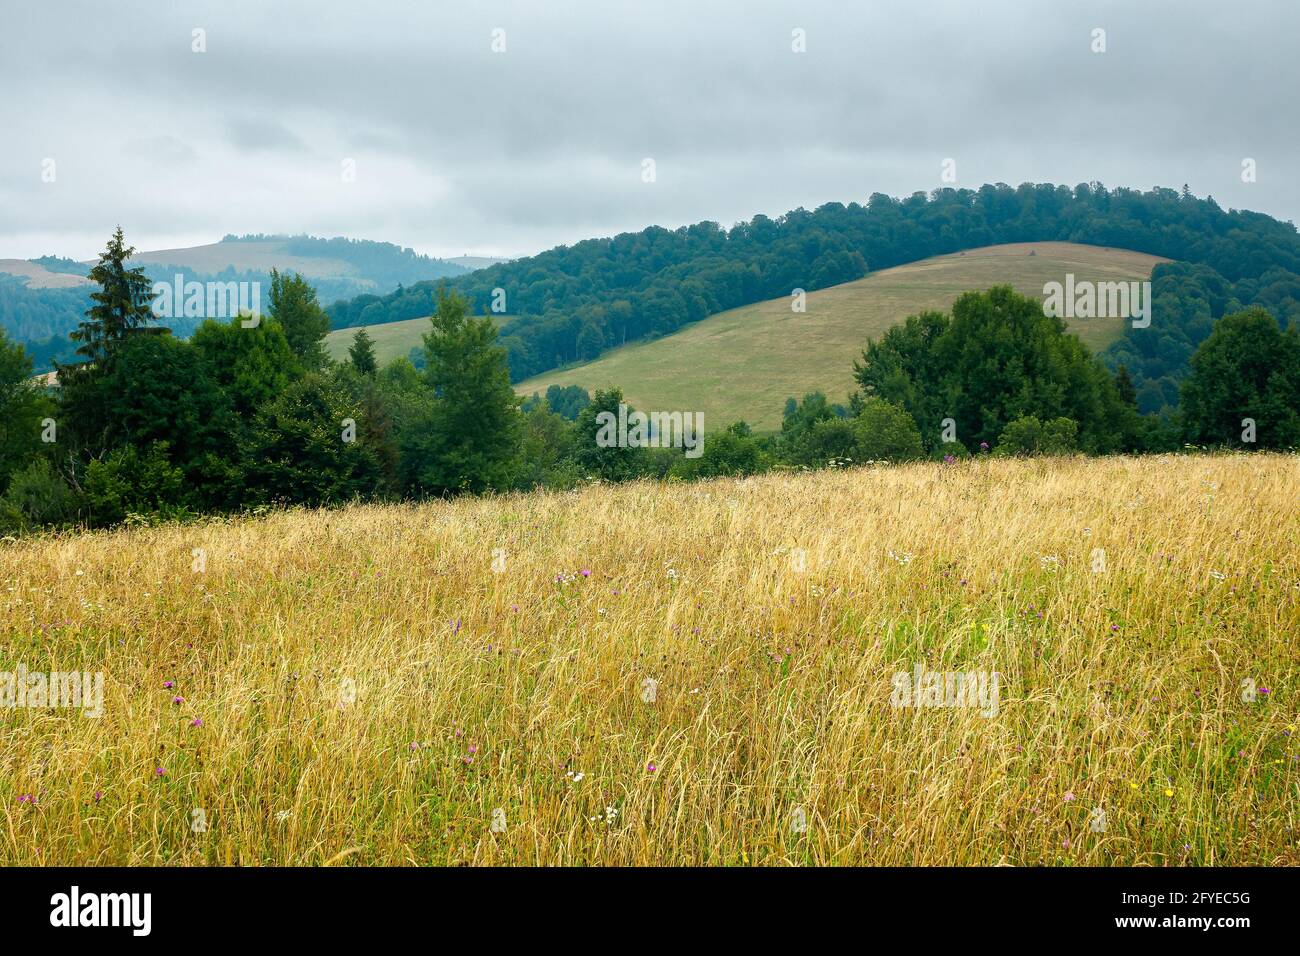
251	412
571	303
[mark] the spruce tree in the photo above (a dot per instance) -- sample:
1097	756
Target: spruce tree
121	304
470	441
362	353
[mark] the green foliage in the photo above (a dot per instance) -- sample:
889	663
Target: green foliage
609	462
158	391
816	434
251	365
546	450
565	400
886	433
362	353
296	452
1029	436
1247	369
294	306
22	407
122	303
997	358
37	497
470	438
733	452
134	482
1188	297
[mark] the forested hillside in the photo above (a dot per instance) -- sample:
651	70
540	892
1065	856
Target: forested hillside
571	303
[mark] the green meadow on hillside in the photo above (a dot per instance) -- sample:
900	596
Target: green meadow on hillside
392	339
744	364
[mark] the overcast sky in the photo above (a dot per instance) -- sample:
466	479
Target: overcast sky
460	149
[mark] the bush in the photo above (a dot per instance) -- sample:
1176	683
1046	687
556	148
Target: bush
1029	436
130	482
886	433
733	452
37	497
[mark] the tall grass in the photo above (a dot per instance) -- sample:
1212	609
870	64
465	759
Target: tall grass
370	690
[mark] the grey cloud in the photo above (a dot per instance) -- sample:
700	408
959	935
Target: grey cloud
256	133
459	148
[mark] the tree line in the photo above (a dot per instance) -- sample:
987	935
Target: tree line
251	412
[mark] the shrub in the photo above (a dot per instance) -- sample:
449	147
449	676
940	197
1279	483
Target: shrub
37	497
1029	436
131	482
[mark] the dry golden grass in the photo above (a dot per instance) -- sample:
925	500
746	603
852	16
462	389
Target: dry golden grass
1119	689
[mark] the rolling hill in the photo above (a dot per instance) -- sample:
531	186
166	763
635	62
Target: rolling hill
744	364
36	276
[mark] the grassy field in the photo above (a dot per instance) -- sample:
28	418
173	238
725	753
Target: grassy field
662	674
745	363
392	339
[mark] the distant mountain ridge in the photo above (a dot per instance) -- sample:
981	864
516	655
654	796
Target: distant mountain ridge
43	299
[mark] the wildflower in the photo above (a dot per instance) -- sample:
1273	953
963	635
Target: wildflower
984	446
169	684
196	722
586	573
650	767
99	795
159	771
178	700
1168	792
1068	796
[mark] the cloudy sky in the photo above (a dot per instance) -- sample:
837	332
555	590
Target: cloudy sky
460	149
